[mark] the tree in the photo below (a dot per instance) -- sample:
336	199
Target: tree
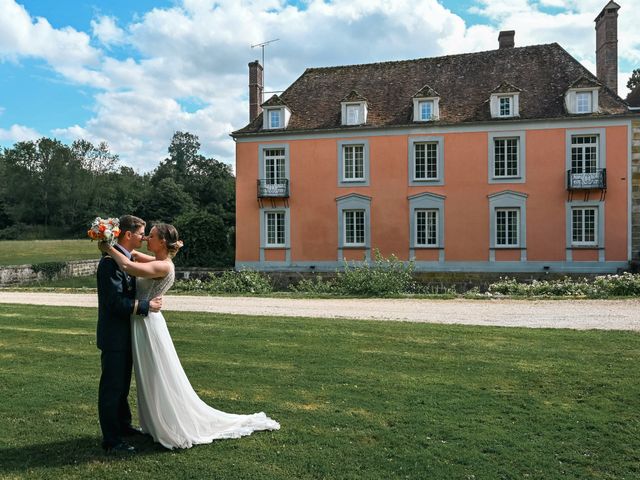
165	201
634	80
206	241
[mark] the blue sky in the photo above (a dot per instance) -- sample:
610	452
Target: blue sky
132	72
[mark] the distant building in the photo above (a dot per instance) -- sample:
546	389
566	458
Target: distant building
510	160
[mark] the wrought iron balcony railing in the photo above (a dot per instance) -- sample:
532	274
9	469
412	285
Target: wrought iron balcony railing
587	181
273	188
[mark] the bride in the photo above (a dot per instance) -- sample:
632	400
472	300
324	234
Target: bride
168	407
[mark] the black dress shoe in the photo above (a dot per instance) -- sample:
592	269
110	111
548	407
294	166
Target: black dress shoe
120	449
130	431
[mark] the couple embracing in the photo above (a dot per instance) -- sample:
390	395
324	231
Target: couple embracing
132	333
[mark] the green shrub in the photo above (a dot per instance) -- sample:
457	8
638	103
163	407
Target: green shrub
229	281
206	241
49	269
380	278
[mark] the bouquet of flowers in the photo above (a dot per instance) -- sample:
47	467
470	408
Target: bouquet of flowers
105	230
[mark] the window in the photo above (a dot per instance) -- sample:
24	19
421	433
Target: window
505	106
275	225
275	118
584	153
353	163
353	158
354	114
426	110
354	228
583	102
507	157
426	228
426	161
584	226
507	227
275	166
505	163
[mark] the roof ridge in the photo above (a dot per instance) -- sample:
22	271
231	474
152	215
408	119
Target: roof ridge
389	62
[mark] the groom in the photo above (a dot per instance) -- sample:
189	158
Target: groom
116	304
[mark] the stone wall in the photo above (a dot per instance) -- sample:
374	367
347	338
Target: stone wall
19	274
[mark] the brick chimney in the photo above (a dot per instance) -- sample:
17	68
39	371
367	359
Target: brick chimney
255	89
607	45
506	39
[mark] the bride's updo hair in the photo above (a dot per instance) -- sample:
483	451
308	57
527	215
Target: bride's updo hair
169	234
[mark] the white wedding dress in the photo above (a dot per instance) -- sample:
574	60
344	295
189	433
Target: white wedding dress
168	407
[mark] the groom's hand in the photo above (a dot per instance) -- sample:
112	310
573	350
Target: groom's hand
155	304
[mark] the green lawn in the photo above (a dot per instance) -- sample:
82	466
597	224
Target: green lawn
19	252
356	400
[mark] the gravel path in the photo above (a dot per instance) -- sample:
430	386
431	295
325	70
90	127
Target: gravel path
577	314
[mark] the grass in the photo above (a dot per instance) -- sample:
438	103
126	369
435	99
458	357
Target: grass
356	400
27	252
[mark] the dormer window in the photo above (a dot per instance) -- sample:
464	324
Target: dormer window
276	114
354	109
505	101
582	96
504	105
426	105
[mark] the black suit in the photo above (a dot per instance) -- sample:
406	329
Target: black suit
116	301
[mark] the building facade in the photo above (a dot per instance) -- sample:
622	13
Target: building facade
511	160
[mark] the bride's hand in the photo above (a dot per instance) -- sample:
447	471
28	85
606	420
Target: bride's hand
155	304
104	247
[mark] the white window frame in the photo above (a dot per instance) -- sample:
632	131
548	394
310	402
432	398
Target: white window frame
414	180
514	104
275	174
280	228
426	202
585	243
506	160
353	202
583	149
572	104
520	177
506	212
361	108
417	109
429	214
350	153
357	214
343	146
284	114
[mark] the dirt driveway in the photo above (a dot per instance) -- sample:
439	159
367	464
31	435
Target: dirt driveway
577	314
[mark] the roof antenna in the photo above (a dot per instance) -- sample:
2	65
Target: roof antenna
262	45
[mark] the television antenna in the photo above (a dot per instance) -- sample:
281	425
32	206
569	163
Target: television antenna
262	45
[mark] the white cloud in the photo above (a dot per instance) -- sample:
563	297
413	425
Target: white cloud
106	30
18	133
198	50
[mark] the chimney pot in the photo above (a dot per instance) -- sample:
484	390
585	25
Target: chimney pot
506	39
255	89
607	45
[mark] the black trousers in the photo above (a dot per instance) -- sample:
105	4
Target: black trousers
113	404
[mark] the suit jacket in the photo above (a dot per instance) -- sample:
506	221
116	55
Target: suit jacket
116	300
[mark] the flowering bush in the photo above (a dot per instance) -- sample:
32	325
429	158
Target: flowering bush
626	284
104	229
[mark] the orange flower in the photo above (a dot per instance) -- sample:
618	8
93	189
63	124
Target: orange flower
102	227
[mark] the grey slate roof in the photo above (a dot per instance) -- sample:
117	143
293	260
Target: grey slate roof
541	73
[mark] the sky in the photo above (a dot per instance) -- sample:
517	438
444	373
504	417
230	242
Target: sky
133	72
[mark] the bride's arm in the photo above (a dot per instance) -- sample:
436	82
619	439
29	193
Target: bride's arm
154	269
141	257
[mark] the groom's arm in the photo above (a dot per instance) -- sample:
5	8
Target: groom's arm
112	282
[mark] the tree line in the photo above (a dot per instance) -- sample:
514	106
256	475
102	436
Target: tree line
53	190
